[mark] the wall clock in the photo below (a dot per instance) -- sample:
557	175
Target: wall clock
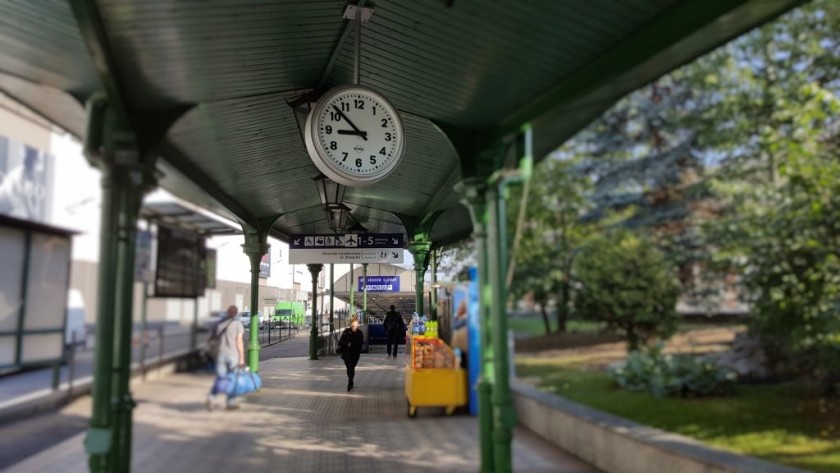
354	135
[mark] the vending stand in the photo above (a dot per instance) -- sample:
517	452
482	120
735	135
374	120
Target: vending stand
433	378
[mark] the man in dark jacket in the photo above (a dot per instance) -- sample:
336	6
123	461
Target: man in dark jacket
350	347
394	330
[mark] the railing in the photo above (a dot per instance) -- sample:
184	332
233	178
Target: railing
275	332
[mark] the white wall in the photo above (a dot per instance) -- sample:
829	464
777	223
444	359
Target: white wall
76	196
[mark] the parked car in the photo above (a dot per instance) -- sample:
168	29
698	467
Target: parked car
75	331
215	317
245	318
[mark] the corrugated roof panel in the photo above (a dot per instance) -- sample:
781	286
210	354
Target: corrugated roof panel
40	42
465	67
217	50
62	109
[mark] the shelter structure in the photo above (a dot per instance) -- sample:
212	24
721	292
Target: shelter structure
206	98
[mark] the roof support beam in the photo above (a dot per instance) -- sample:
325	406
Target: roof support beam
180	162
679	24
345	33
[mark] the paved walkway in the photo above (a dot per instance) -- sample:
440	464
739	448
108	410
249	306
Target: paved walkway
302	420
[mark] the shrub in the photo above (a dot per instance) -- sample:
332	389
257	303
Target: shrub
667	375
625	282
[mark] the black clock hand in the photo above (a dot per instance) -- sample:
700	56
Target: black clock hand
361	133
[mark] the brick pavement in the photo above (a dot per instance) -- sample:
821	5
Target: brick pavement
302	420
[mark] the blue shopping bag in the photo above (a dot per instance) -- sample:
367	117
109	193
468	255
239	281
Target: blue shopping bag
241	382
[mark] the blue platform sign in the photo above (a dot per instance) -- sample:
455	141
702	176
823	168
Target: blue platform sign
380	284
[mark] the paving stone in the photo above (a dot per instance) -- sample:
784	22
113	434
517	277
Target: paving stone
303	419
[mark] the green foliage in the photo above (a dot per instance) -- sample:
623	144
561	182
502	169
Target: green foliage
778	422
551	234
625	282
667	375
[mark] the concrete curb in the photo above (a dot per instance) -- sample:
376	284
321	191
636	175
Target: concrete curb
48	399
617	445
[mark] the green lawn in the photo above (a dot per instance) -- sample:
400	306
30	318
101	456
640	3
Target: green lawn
534	326
780	423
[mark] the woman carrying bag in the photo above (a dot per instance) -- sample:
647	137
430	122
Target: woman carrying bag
350	348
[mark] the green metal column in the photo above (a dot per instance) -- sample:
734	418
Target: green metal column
332	300
314	270
475	199
131	199
126	175
352	291
419	247
504	416
364	297
99	438
433	289
255	247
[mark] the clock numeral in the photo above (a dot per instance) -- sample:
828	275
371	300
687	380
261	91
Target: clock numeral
344	158
345	107
358	162
382	151
333	145
335	116
387	137
374	110
359	104
372	159
384	123
328	129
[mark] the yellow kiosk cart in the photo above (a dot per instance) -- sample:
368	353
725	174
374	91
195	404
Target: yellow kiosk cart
433	378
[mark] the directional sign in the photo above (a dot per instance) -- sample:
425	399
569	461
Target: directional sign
347	248
380	284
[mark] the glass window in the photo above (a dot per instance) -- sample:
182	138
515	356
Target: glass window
46	294
11	260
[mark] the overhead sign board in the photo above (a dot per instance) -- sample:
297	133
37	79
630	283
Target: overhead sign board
380	284
385	248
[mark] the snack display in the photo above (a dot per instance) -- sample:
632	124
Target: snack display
431	353
432	378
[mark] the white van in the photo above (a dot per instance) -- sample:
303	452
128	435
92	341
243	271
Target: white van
75	322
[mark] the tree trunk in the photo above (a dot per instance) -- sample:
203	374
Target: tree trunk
563	306
632	339
545	317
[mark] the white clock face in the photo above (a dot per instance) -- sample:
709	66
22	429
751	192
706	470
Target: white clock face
354	136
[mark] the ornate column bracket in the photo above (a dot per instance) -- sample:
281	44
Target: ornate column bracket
420	246
314	270
255	247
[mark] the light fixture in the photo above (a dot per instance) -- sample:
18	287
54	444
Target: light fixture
337	216
330	192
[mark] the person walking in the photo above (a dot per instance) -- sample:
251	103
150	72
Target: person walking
350	347
394	331
227	348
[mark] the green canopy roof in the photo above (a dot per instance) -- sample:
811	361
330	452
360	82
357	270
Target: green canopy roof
465	78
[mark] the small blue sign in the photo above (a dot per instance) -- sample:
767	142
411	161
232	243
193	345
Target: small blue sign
380	284
348	240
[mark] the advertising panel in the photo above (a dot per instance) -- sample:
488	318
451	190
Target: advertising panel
181	264
265	265
24	189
